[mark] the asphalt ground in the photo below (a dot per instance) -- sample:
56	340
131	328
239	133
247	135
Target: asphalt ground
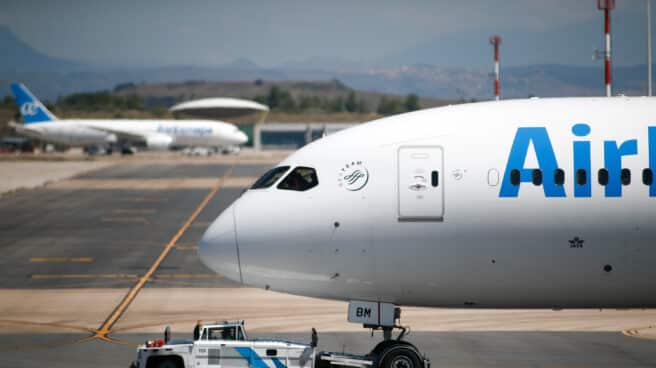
54	238
179	170
109	244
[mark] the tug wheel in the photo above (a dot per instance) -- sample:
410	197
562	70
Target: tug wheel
400	356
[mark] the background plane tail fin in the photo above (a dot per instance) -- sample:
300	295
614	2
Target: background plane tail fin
30	107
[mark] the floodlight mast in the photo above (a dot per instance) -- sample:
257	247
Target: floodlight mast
649	90
496	41
607	6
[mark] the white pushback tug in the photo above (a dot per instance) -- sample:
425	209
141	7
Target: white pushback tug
225	345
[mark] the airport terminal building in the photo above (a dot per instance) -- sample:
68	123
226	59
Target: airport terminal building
250	116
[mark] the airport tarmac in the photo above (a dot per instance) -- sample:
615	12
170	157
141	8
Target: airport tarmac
94	264
445	349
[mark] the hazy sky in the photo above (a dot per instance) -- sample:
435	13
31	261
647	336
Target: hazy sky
174	32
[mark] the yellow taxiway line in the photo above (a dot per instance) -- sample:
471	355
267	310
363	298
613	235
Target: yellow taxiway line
142	220
77	276
144	199
105	328
639	332
186	247
82	276
133	211
61	259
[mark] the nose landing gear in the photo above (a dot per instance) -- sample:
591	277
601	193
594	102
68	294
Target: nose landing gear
389	353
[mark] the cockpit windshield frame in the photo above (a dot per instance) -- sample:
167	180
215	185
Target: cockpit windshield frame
300	179
270	177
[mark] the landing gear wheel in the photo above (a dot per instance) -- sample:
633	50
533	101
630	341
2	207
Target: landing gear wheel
400	355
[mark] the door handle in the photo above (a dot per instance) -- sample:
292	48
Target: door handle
418	187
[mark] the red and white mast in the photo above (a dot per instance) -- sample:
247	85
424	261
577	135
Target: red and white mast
496	41
649	92
607	6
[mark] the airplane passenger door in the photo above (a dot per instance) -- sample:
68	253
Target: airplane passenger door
421	183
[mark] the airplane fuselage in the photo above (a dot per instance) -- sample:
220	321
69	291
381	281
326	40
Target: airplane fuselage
179	132
66	133
516	204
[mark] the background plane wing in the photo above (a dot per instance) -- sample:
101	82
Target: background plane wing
152	140
126	134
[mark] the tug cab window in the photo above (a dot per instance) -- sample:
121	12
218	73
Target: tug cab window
233	333
270	177
300	179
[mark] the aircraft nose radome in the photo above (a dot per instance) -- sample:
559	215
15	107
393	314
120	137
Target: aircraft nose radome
218	247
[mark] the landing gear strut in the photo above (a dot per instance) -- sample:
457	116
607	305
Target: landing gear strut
389	353
387	330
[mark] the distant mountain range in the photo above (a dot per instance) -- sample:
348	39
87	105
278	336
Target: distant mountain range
19	57
51	77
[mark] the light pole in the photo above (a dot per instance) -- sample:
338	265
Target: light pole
648	47
607	6
496	41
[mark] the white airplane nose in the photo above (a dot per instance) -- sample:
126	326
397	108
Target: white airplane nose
218	247
242	138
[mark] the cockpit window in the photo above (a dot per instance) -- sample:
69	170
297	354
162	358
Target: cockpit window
300	179
270	177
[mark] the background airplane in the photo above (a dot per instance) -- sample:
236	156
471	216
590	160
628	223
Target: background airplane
155	134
